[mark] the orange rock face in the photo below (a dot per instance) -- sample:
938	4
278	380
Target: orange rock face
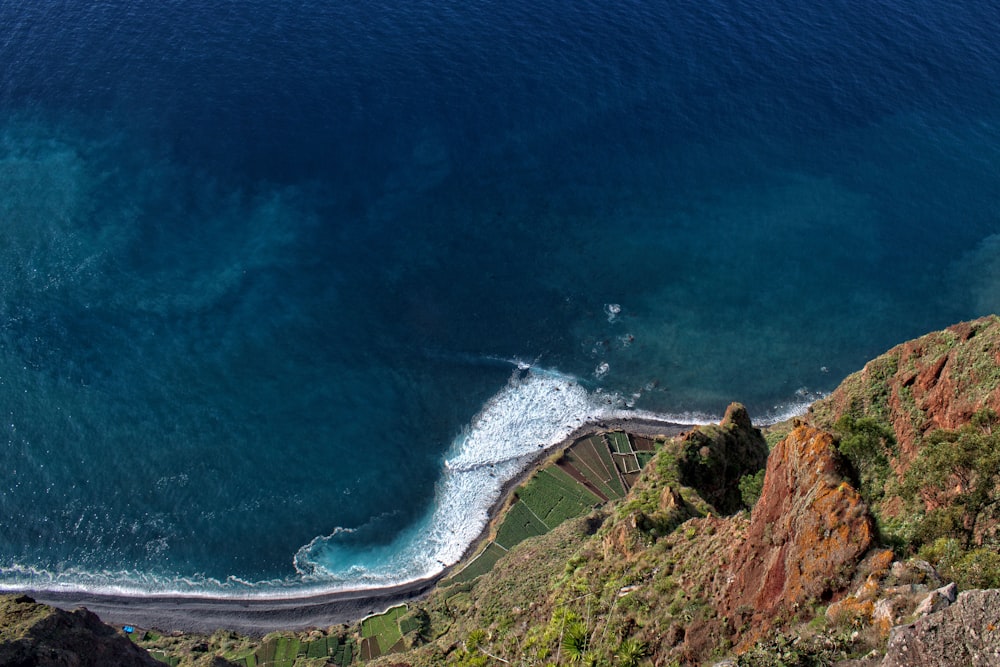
807	530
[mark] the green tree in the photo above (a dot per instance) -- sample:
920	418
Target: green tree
751	487
957	472
866	443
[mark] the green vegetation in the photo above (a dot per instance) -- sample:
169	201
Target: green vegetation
750	488
482	564
631	652
519	524
867	444
277	650
957	473
584	477
383	630
164	658
553	499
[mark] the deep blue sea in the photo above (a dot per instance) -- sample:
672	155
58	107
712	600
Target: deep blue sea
289	287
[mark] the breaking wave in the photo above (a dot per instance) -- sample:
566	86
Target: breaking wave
534	411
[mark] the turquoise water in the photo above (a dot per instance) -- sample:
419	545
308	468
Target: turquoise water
288	289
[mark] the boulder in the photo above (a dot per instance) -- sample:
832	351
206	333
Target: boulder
937	600
965	633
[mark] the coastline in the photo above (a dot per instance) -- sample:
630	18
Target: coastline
258	616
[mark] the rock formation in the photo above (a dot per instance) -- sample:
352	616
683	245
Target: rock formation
32	634
966	633
808	528
936	381
713	458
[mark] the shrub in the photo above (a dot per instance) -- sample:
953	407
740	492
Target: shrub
750	488
865	443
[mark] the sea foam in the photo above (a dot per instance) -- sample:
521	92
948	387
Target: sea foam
535	410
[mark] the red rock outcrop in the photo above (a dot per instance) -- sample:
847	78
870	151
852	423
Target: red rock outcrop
806	532
936	381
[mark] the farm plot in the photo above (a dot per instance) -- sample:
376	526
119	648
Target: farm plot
519	524
285	651
553	500
592	458
380	633
586	475
482	564
624	456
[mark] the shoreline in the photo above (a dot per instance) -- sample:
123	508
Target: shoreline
258	616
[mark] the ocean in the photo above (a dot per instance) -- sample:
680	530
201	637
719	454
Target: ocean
288	289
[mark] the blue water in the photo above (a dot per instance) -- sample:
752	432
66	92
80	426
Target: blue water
288	288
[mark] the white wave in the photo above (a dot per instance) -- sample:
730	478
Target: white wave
786	411
612	310
17	577
534	411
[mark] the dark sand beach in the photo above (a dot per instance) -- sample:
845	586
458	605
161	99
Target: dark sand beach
258	616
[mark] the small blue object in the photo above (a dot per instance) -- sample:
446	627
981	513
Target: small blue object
128	629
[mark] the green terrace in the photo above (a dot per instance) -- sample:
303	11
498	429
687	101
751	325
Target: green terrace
591	471
276	651
382	633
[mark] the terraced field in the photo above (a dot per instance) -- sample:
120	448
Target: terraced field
284	651
380	634
591	471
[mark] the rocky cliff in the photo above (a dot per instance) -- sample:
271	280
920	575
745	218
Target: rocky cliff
36	635
937	381
807	530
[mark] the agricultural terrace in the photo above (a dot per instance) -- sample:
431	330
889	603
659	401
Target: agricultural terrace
591	471
278	651
381	633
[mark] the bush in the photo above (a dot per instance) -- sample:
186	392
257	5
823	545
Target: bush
750	488
866	443
976	568
958	472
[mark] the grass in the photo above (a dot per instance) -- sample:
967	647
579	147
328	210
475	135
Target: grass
483	563
165	659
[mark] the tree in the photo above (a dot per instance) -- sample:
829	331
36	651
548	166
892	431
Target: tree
957	474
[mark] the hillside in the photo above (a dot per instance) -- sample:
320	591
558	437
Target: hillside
859	534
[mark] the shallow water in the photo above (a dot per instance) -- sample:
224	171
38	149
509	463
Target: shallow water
287	289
